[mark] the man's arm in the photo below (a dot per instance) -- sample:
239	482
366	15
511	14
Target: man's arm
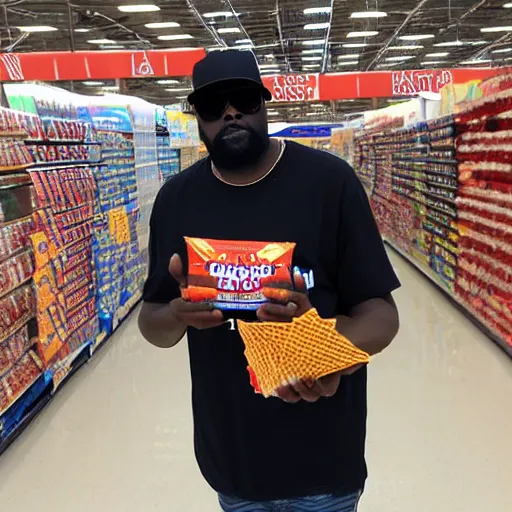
159	326
371	325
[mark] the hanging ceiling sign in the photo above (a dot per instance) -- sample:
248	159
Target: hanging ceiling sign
293	87
412	83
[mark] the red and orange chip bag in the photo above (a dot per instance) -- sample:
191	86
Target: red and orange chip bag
232	274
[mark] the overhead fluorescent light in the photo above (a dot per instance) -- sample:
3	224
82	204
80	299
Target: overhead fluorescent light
450	43
312	58
312	114
218	14
317	105
313	42
369	14
478	43
348	63
313	50
163	24
311	66
243	47
387	64
92	83
355	45
474	62
352	56
243	41
506	28
432	62
317	10
272	113
139	8
502	50
316	26
417	37
228	30
407	47
181	97
399	58
179	89
101	41
37	28
438	54
175	37
167	81
363	33
82	30
507	6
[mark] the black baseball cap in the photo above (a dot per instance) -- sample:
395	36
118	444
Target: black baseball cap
237	66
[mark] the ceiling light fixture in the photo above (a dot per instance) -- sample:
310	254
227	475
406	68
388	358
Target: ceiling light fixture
112	47
179	89
363	33
506	28
507	6
407	47
37	28
312	58
139	8
351	56
502	50
82	30
167	82
313	50
228	30
368	14
355	45
473	62
438	54
163	24
92	83
432	62
243	41
450	43
316	26
175	37
101	41
348	63
399	58
417	37
218	14
313	42
317	10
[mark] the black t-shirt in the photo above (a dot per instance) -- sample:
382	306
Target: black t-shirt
248	446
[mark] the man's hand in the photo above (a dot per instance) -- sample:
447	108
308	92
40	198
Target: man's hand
311	391
190	314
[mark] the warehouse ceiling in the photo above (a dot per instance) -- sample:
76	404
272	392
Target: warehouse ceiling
288	36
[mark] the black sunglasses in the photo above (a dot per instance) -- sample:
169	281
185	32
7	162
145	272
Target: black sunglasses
210	108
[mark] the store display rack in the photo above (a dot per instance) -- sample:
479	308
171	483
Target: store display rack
441	192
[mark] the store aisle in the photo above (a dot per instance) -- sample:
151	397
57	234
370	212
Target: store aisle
118	437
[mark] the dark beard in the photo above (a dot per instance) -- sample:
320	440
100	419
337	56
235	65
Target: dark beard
235	153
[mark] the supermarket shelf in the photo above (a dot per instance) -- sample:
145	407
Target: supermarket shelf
432	276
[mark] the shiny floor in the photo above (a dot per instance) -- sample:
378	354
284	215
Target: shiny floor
117	438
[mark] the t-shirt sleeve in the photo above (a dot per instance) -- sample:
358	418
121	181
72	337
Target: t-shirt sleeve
365	271
160	287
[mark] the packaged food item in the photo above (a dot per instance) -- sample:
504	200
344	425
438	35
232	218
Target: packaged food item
232	274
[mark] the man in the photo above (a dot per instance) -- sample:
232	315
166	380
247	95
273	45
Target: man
304	448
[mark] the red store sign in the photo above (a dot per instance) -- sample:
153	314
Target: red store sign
293	87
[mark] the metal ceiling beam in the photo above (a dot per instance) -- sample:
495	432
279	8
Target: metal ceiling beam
325	55
208	28
281	40
238	20
409	17
470	11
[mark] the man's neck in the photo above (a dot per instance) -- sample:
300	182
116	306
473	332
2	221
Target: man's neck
253	173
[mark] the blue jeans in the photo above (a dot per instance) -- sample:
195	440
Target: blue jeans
323	503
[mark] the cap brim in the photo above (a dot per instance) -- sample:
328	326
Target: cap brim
267	96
